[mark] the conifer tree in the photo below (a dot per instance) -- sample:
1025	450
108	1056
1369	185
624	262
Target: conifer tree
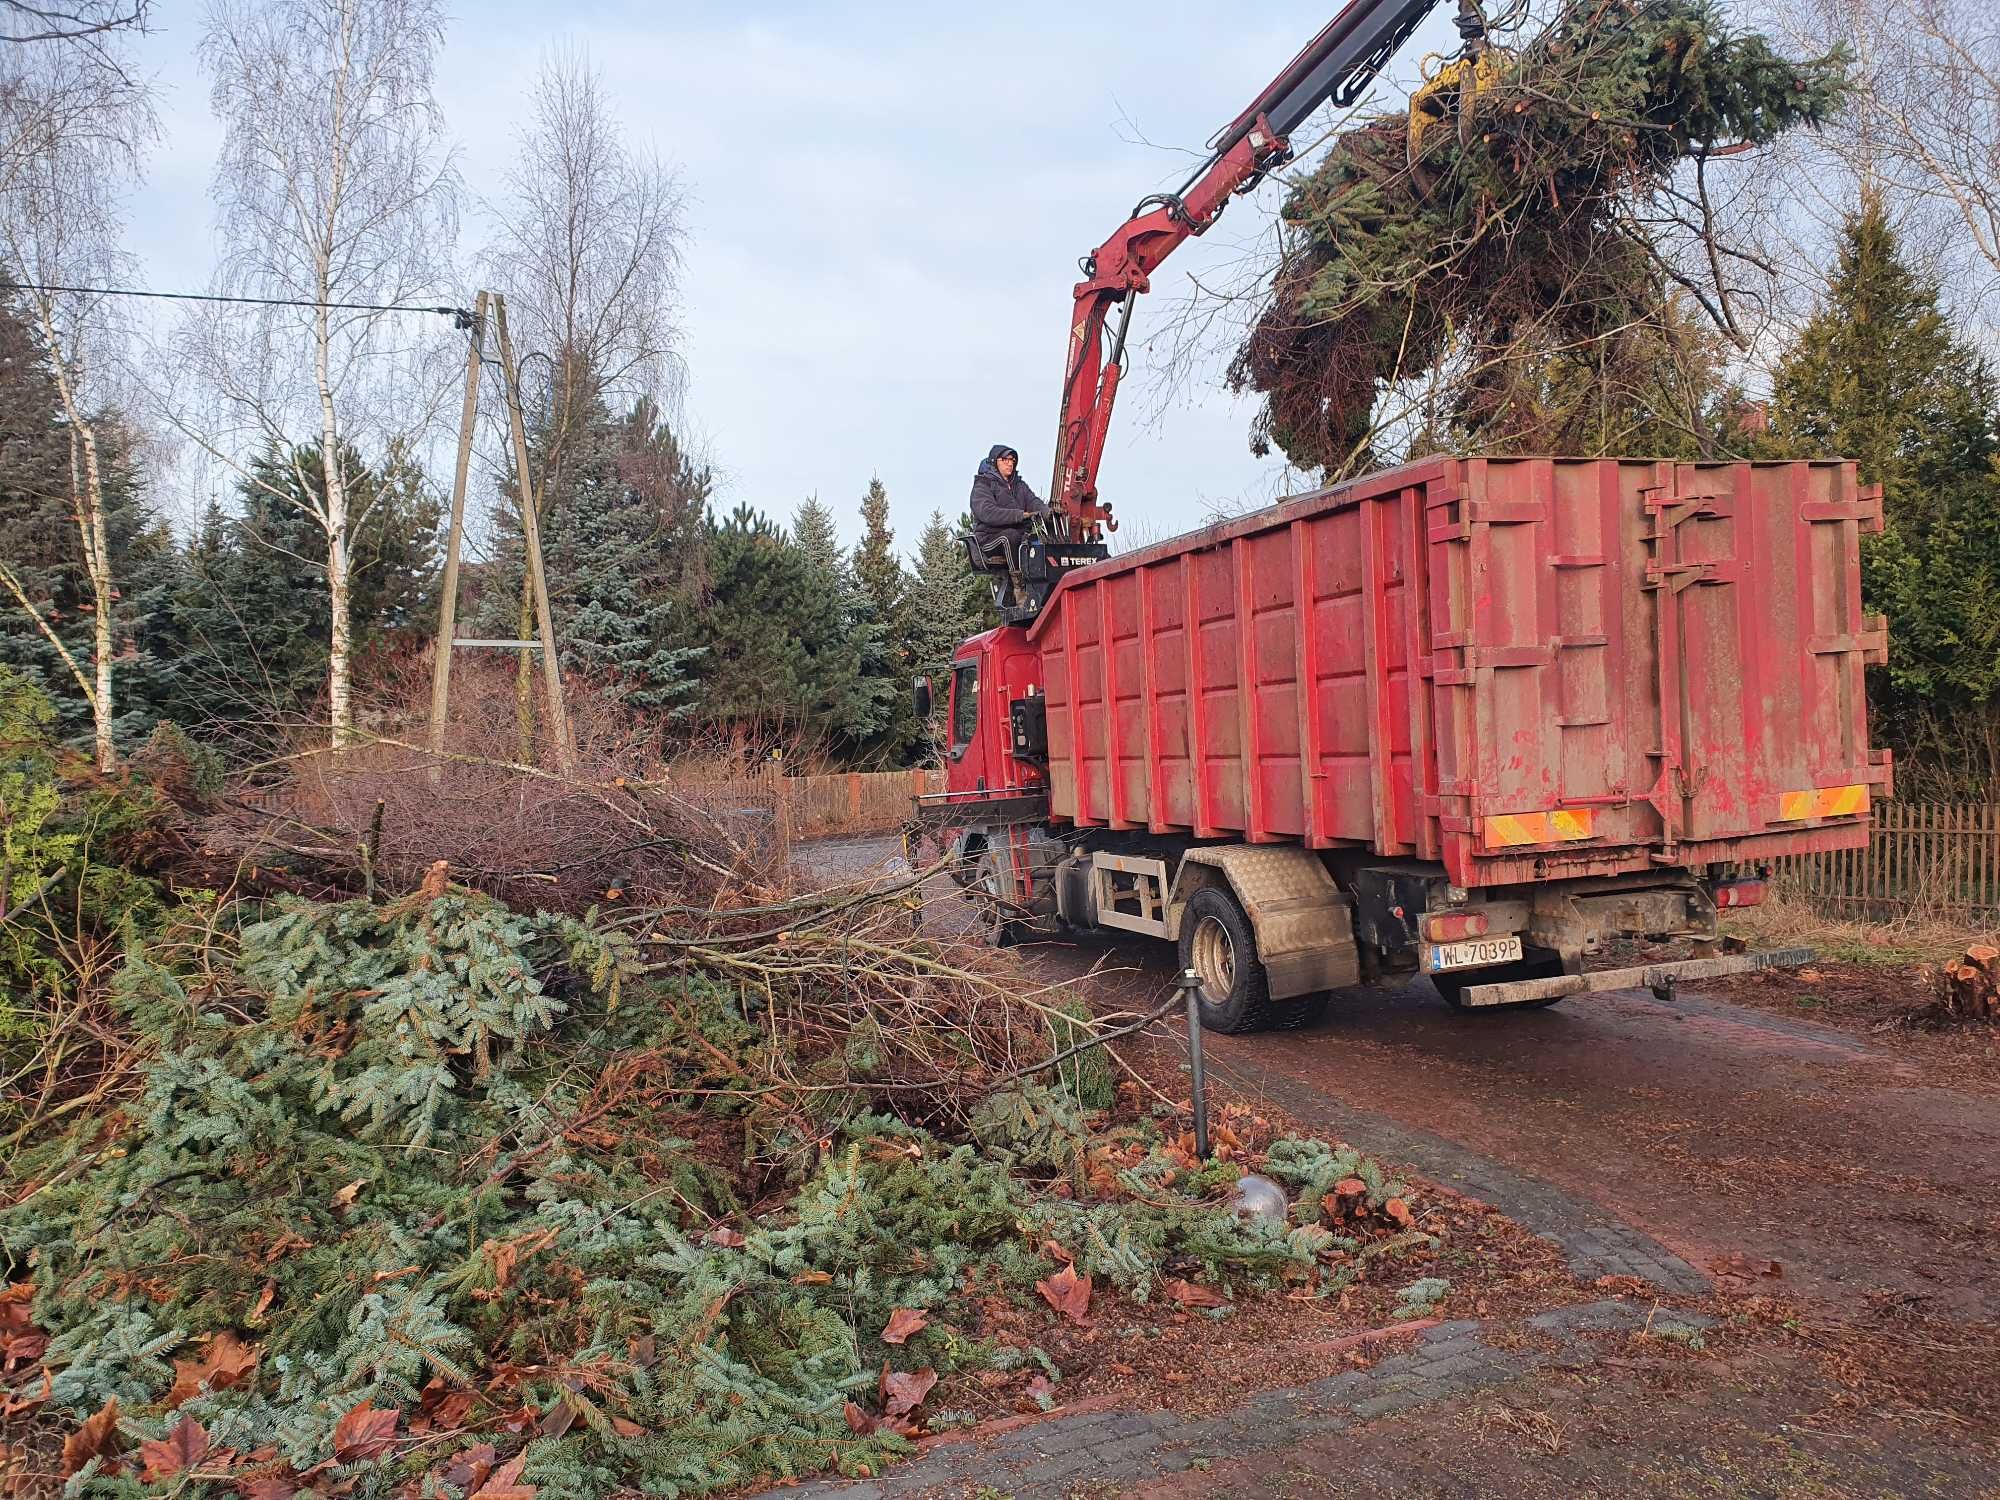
778	658
849	640
886	582
602	539
948	602
876	564
1878	375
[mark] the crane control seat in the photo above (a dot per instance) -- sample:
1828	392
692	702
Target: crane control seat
1022	577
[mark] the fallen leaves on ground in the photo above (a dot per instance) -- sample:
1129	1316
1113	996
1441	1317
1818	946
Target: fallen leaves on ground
225	1361
505	1482
903	1391
184	1446
1068	1293
1189	1294
364	1432
903	1322
98	1437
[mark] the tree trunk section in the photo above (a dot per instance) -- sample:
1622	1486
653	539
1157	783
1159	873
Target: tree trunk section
339	681
87	490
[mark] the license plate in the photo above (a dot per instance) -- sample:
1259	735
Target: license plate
1474	953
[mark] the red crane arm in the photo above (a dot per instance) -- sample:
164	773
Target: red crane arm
1336	65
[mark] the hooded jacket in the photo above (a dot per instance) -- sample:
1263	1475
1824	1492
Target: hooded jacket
1000	504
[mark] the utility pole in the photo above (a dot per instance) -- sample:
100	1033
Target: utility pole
530	533
448	612
532	536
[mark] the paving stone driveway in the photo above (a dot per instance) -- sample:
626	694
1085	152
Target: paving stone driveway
1594	1241
1052	1459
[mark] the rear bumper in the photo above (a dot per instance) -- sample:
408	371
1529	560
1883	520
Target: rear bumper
1656	977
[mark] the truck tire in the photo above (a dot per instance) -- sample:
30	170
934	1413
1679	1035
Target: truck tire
984	890
1536	963
1217	942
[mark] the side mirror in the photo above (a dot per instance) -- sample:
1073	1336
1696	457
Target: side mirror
921	691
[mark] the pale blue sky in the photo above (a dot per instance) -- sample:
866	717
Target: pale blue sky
887	206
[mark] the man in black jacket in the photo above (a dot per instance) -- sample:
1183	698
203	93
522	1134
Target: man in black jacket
1002	504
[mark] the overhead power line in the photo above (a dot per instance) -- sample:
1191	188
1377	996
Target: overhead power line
462	315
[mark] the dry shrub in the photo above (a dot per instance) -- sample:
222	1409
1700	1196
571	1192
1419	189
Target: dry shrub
1921	932
631	821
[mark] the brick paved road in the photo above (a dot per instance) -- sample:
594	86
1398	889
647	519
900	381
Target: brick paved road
1053	1460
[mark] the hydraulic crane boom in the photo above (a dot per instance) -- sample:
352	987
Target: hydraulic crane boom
1337	65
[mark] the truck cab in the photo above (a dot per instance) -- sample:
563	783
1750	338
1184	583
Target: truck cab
995	681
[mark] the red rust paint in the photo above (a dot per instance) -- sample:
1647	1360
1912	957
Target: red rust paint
1387	663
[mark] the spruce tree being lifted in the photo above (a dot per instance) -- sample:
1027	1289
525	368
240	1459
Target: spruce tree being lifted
1422	239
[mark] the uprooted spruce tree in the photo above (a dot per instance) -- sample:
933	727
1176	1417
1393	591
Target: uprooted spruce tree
326	1173
1507	239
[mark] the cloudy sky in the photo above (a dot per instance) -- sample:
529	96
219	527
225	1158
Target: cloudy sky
887	203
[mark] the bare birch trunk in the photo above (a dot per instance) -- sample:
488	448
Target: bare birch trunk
340	704
87	491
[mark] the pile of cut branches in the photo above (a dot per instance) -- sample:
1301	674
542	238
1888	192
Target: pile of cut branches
1510	230
424	1195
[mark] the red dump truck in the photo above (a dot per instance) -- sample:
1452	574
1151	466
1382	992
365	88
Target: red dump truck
1472	716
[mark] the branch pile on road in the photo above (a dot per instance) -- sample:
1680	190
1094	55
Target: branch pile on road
420	1194
1512	226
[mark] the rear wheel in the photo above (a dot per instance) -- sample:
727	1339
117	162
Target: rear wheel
1218	944
1536	963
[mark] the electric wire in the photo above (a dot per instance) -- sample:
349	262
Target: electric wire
463	315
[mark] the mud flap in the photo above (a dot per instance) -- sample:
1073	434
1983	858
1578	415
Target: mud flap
1303	922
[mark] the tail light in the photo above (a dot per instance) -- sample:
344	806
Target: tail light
1450	926
1740	893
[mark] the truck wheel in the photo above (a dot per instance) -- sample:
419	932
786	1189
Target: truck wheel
984	890
1217	943
1538	963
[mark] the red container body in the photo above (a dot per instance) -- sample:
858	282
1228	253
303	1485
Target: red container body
1526	668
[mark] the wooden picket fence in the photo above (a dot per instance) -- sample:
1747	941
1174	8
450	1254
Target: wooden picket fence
852	802
1929	857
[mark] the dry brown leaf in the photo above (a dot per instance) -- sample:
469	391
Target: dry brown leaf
364	1433
859	1420
811	1278
225	1361
903	1322
12	1404
903	1391
626	1428
1188	1294
468	1470
184	1446
559	1418
98	1437
727	1238
504	1483
264	1300
1068	1293
344	1199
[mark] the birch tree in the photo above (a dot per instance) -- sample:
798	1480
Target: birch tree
74	149
335	189
587	249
